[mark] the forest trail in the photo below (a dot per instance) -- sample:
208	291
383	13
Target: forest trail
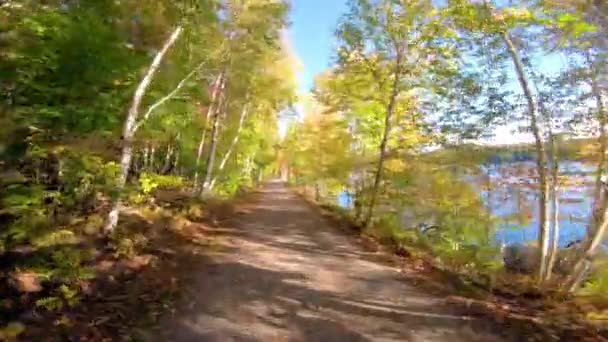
281	273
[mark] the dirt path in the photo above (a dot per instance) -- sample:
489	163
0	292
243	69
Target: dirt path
281	274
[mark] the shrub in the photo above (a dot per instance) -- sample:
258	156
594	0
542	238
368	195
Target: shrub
52	194
149	182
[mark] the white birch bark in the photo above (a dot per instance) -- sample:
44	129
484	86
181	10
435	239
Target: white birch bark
217	88
233	144
169	96
583	265
129	129
603	143
212	150
543	240
554	248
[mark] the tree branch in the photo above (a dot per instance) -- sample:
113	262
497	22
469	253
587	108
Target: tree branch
167	97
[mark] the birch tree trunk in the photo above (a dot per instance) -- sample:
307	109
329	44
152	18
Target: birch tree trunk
128	132
218	86
146	161
169	96
233	144
490	191
541	164
152	158
603	143
599	222
168	160
554	207
172	150
554	189
211	157
583	265
390	108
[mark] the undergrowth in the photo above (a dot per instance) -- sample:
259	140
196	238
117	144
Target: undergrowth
51	244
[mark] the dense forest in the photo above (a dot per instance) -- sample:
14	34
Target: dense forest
104	102
109	107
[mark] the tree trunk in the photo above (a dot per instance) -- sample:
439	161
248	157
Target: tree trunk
176	163
212	149
554	191
153	159
358	201
390	108
554	207
146	160
136	163
169	96
235	141
129	130
489	191
357	204
168	160
248	170
584	263
599	222
601	165
543	236
218	86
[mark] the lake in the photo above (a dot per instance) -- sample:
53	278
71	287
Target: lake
509	191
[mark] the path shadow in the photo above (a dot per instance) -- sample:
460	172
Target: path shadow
233	298
280	305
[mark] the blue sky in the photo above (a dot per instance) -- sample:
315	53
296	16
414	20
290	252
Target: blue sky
312	35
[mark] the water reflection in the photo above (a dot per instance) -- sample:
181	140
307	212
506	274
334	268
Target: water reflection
510	192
